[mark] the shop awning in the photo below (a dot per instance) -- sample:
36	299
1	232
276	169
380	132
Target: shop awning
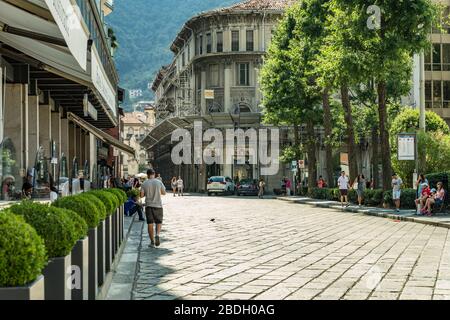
101	134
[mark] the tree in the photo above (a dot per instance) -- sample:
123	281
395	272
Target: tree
402	31
290	93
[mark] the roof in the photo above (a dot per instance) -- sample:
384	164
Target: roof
134	118
244	7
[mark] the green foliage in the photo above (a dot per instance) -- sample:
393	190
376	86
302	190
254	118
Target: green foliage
95	201
56	227
81	228
407	121
22	251
407	198
85	209
120	194
443	177
433	145
109	200
133	193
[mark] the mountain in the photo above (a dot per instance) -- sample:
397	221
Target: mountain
145	29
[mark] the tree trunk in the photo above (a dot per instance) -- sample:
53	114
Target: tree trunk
327	124
312	165
352	161
384	136
375	156
297	155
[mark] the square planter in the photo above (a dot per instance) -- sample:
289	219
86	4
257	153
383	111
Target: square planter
108	244
117	229
121	210
113	235
33	291
57	275
101	272
80	259
93	265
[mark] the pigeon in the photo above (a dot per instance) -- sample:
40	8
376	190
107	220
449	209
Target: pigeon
213	220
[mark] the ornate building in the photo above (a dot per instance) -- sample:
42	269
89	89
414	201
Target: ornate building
213	78
136	125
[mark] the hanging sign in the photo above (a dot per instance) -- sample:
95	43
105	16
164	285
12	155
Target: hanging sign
406	147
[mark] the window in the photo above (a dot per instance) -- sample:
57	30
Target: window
446	56
214	75
219	44
243	71
189	52
446	94
234	40
437	94
208	43
200	45
183	59
250	41
436	57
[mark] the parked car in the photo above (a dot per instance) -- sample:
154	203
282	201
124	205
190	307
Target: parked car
220	185
247	187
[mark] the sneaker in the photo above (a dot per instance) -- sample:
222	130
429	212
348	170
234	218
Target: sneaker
151	245
398	210
347	205
157	241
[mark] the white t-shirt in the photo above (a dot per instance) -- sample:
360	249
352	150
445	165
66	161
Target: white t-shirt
180	183
343	183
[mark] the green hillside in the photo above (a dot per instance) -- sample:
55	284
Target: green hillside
145	30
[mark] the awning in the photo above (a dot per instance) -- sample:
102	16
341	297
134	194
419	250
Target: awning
101	134
213	120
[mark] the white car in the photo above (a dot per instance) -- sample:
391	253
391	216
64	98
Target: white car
220	184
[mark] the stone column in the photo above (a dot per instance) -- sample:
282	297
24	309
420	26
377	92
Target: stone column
92	150
227	86
56	130
45	130
82	148
64	138
33	129
226	40
72	147
203	88
16	101
78	145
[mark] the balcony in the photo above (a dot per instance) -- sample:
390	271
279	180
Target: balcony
107	6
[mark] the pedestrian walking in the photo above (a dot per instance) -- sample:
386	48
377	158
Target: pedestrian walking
360	183
180	186
152	189
288	187
261	187
173	184
396	190
343	184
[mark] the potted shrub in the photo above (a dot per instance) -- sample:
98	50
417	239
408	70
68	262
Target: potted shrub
93	201
58	231
91	216
22	258
80	257
387	199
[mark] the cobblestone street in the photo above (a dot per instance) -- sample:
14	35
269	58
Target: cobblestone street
270	249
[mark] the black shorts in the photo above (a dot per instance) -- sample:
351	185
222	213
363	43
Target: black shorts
343	192
154	215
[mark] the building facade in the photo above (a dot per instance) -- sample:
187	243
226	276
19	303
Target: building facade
59	90
213	79
136	126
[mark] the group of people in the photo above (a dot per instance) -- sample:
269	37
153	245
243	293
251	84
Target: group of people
360	185
428	197
177	185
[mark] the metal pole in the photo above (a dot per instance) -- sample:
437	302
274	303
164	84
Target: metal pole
422	120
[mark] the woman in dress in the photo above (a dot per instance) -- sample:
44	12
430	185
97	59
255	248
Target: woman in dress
360	184
173	184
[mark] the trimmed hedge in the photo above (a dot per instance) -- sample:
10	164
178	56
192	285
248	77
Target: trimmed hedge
98	203
133	193
109	200
80	225
85	209
22	251
56	227
120	194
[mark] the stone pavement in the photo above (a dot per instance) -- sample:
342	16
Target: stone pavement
271	249
440	220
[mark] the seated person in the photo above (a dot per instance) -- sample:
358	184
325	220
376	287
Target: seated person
27	190
437	198
425	193
132	206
